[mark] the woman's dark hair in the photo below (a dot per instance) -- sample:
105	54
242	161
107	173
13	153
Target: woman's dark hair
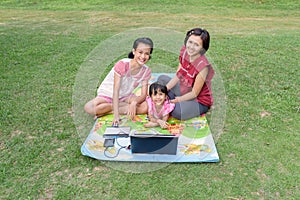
144	40
204	37
155	87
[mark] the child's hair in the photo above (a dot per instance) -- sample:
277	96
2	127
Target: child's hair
204	37
144	40
155	87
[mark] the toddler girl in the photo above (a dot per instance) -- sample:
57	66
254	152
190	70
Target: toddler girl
159	106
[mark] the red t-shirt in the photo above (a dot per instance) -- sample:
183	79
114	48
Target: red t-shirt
188	73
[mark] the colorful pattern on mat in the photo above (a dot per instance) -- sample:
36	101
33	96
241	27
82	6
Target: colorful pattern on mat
195	141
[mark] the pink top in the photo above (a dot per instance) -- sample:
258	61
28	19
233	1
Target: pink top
188	73
166	109
128	82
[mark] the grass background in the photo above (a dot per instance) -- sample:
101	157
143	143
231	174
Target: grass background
254	45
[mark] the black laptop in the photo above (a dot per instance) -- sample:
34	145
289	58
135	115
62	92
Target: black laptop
154	143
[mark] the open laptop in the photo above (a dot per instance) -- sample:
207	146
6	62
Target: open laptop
113	132
154	143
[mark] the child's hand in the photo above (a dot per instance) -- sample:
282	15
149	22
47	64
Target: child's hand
131	110
163	124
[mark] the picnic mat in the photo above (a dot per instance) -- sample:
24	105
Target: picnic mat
195	141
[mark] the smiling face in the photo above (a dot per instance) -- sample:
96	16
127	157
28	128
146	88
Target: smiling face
142	53
158	97
193	46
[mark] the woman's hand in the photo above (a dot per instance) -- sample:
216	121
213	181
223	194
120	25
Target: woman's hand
176	100
132	109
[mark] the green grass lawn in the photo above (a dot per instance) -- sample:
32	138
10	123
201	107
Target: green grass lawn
254	47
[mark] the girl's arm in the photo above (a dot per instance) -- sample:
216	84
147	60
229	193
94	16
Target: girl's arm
142	97
133	101
163	122
198	84
117	84
151	118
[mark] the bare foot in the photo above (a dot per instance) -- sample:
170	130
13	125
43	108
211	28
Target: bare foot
96	117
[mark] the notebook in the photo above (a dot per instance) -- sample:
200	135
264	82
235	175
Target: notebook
154	144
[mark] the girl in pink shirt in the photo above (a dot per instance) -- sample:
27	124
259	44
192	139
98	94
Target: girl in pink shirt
115	94
159	106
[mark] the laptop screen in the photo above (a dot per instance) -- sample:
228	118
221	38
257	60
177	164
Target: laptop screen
154	144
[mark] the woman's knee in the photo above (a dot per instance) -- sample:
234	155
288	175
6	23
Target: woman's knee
185	111
143	111
163	79
142	108
88	107
176	113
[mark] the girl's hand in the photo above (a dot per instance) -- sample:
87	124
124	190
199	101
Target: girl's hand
163	124
115	121
131	110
